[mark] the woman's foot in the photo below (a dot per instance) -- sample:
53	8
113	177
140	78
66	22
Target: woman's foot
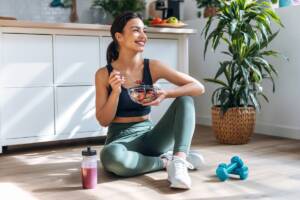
178	173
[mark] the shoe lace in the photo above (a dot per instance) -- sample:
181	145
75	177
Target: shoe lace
181	166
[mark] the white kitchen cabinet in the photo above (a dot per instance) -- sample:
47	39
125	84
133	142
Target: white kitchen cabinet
47	76
26	60
76	59
26	112
164	50
75	111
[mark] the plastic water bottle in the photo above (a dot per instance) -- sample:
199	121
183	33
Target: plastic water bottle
89	168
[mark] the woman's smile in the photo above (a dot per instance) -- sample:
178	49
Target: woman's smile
140	43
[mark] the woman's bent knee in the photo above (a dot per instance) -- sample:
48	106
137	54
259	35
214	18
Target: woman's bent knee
113	157
184	99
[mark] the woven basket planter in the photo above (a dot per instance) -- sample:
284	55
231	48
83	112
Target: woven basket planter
235	127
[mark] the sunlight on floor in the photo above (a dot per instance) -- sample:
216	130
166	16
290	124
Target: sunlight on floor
49	159
14	192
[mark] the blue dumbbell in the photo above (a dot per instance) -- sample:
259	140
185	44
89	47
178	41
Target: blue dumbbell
235	167
242	172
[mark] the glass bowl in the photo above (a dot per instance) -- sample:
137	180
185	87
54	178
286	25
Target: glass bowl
143	93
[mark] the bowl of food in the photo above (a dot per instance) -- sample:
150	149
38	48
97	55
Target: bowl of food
143	93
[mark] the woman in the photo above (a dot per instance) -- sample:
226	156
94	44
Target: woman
133	146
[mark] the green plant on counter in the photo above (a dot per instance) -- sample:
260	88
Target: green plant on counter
244	26
116	7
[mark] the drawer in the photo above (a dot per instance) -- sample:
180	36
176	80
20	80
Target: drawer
27	60
75	110
76	59
164	50
27	112
105	41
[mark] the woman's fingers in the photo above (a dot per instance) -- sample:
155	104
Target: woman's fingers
116	78
156	102
116	82
161	94
115	72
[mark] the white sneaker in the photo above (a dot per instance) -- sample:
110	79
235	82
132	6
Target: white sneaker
178	173
196	159
193	157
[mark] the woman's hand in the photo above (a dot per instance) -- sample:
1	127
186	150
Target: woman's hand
116	80
161	95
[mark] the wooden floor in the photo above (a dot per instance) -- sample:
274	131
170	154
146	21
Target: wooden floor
53	173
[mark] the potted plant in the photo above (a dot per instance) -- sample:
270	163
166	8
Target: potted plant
98	14
116	7
244	27
210	7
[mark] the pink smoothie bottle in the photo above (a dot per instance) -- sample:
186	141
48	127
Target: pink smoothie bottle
89	168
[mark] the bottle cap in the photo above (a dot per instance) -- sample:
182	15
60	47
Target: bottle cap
89	152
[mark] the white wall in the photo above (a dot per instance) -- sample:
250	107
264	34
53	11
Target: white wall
39	10
281	117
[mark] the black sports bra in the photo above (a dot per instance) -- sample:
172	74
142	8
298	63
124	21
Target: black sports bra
127	107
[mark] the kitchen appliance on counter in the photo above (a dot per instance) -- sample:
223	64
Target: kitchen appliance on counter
170	8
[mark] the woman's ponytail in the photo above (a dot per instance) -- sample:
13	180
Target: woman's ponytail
112	52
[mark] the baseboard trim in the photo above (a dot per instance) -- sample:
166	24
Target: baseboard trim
263	128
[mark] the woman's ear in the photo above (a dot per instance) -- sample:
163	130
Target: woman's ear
118	36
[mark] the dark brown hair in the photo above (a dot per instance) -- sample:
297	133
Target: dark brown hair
117	26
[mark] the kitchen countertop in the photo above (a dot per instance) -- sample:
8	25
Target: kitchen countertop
86	27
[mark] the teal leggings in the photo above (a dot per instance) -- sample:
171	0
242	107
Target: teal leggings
134	148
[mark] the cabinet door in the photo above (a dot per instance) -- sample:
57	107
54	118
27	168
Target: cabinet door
75	110
76	59
105	41
26	60
164	50
27	112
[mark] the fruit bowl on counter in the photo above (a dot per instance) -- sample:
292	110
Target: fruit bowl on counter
143	93
171	22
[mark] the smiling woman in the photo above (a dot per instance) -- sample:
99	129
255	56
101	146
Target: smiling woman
133	145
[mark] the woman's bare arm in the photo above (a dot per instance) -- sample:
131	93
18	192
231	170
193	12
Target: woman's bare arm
187	85
106	105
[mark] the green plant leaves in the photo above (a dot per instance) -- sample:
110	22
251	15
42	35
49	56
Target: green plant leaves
216	81
245	27
116	7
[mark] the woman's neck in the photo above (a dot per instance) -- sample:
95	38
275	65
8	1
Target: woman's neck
128	61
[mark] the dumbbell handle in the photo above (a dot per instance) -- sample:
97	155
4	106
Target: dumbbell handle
231	167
